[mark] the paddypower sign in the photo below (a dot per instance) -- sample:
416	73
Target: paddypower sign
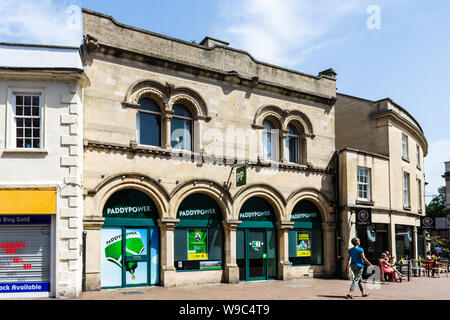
130	203
241	176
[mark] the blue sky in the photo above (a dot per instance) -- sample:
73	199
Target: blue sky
406	58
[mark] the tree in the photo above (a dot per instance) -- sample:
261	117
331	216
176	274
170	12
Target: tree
437	206
437	241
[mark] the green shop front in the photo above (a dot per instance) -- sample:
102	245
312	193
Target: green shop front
256	241
131	215
306	237
198	237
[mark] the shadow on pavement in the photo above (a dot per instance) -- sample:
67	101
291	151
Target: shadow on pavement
328	296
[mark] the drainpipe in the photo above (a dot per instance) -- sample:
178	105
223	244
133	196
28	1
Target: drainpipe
83	283
338	218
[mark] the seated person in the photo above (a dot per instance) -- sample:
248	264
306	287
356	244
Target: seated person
389	257
388	267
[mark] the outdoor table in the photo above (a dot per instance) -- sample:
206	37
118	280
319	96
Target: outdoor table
407	264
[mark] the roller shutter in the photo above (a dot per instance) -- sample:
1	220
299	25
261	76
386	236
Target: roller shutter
25	258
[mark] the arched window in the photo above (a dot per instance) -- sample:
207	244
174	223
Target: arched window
292	144
149	123
270	141
181	136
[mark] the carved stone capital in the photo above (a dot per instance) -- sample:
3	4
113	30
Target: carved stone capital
168	223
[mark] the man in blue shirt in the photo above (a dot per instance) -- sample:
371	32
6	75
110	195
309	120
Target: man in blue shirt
356	254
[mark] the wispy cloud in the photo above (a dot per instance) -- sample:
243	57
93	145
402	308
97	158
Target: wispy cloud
41	22
285	31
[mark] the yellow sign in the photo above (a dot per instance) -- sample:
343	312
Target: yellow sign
303	253
197	256
303	244
28	201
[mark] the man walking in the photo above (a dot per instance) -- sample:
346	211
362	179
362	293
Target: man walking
356	254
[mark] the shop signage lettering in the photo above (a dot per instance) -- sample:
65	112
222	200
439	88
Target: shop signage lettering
427	223
241	176
301	216
196	212
363	217
112	211
24	287
19	219
12	245
254	214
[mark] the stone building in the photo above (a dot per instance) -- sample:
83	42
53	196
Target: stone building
446	176
40	170
168	124
381	176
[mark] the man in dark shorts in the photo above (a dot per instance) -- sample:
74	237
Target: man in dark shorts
356	254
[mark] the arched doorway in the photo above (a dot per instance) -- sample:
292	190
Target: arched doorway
131	215
198	238
256	241
306	237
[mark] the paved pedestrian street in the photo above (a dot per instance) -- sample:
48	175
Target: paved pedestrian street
422	288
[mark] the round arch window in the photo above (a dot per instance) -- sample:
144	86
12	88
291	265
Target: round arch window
199	239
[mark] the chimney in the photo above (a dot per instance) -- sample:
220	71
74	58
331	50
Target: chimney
211	42
329	73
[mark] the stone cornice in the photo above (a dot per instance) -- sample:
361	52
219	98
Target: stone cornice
101	33
205	158
392	114
56	74
231	77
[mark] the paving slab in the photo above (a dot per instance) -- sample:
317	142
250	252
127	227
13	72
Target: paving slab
419	288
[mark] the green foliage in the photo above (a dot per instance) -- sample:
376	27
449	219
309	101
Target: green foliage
437	206
437	241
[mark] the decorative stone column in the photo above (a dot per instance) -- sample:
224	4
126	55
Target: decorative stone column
165	137
283	135
415	253
392	247
348	222
329	247
231	268
168	271
284	266
93	225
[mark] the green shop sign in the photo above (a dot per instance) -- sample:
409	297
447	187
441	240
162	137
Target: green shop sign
257	212
306	215
130	203
241	176
199	210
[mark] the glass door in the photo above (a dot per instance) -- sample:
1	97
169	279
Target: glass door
257	254
136	257
271	260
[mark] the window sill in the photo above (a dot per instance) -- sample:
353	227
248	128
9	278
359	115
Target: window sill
365	202
407	208
405	159
22	151
418	167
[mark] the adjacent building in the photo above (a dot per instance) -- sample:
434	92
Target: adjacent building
381	176
171	128
40	170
